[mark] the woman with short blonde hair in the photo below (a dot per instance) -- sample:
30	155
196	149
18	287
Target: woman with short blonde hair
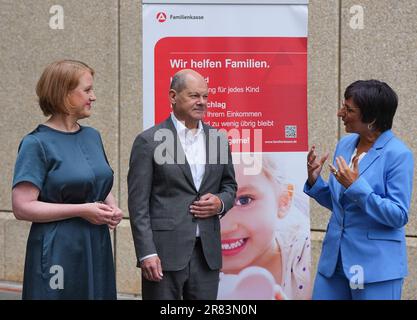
62	184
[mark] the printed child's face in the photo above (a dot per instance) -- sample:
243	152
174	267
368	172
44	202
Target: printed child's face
248	229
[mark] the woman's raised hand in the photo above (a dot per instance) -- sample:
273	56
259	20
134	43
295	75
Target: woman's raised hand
314	165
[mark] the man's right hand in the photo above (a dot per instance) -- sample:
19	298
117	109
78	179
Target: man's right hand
152	269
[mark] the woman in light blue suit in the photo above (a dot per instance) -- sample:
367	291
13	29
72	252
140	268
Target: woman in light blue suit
364	251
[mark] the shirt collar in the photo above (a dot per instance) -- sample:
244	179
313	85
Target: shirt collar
182	129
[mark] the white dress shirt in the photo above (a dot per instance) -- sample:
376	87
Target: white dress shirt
354	155
194	145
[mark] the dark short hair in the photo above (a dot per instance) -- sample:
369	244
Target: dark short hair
376	100
57	80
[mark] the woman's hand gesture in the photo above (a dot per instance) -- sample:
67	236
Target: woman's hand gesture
314	165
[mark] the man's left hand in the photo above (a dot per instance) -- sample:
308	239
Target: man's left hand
209	205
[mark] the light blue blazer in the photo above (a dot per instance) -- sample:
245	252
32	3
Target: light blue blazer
368	218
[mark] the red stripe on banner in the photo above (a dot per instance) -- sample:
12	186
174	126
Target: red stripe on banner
255	83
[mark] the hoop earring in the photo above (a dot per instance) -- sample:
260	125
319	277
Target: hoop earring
371	125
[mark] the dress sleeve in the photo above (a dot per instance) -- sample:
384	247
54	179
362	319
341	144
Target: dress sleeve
102	147
31	164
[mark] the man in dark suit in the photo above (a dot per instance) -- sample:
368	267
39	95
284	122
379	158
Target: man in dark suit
181	181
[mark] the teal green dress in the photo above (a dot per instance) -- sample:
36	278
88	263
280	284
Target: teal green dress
72	258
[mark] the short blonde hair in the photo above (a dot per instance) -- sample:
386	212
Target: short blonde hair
57	80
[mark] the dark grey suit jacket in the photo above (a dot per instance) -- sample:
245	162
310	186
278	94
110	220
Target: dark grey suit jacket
160	196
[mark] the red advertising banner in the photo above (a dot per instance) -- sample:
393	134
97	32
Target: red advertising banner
256	84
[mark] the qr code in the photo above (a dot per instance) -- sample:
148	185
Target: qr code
290	131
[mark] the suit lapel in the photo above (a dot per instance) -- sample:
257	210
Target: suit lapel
178	154
368	159
347	152
207	167
375	151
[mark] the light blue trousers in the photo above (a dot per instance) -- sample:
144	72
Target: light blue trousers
337	287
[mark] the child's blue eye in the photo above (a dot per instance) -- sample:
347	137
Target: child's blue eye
243	201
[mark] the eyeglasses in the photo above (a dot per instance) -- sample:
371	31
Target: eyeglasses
347	108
